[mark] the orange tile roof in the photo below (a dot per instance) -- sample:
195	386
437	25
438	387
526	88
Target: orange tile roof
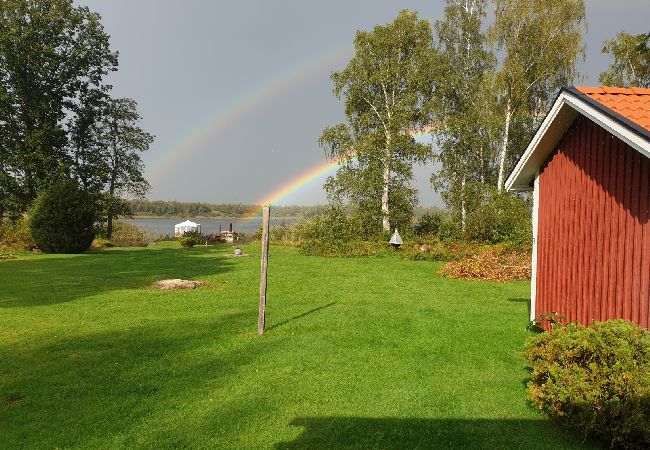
631	103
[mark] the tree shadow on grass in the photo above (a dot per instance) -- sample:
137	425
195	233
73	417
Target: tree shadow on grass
56	279
93	389
394	433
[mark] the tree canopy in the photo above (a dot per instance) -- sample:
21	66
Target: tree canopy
481	87
386	88
539	43
54	58
631	65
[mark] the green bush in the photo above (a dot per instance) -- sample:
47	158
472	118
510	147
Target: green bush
595	380
16	235
62	219
435	250
344	249
501	218
288	234
449	230
128	234
428	225
189	239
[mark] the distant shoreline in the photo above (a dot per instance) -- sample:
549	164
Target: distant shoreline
215	217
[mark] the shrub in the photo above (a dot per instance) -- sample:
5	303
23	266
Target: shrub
595	380
99	243
332	234
502	218
16	235
428	225
62	219
189	239
128	234
288	234
434	250
449	230
491	264
345	249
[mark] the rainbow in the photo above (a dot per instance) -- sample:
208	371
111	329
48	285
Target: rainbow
310	175
236	109
292	186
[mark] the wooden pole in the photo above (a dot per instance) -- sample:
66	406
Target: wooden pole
265	262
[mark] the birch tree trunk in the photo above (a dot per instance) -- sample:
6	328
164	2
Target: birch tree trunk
504	146
463	209
386	181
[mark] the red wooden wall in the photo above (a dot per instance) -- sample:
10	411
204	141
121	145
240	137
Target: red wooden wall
593	254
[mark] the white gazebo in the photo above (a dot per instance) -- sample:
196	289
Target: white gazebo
185	227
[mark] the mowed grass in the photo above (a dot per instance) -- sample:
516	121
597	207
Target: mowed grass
359	353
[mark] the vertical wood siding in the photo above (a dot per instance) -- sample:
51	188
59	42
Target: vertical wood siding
593	254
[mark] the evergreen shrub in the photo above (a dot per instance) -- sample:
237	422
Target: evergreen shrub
62	219
595	380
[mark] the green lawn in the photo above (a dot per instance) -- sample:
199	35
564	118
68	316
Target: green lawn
359	353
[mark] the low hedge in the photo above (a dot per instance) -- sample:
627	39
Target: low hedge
595	380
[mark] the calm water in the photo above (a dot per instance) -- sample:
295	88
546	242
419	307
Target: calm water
208	226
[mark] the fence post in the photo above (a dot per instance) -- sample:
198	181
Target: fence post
265	261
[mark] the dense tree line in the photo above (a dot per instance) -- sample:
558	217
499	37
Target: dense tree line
481	85
58	120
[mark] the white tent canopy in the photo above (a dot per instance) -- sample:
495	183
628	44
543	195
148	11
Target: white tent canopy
185	227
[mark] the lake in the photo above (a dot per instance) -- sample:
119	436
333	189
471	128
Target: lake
208	226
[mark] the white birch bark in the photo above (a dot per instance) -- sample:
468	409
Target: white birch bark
386	181
463	212
504	147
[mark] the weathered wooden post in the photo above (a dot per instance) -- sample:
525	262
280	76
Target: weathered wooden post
265	261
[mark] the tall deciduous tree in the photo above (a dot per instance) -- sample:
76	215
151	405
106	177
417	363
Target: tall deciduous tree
631	65
463	105
540	42
386	87
120	140
50	52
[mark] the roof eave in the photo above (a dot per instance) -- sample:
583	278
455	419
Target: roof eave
555	125
569	104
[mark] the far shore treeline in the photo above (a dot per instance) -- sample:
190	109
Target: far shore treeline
163	208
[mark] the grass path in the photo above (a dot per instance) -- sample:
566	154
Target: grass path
359	353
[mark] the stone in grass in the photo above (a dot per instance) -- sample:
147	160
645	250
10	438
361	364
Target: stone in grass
177	283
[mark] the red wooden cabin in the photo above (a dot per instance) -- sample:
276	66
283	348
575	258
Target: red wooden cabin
589	169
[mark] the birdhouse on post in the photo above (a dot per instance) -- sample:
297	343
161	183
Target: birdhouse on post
396	239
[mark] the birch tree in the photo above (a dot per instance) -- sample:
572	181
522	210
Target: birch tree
631	65
386	87
463	106
539	42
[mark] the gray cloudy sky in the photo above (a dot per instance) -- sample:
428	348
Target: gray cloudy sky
237	92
